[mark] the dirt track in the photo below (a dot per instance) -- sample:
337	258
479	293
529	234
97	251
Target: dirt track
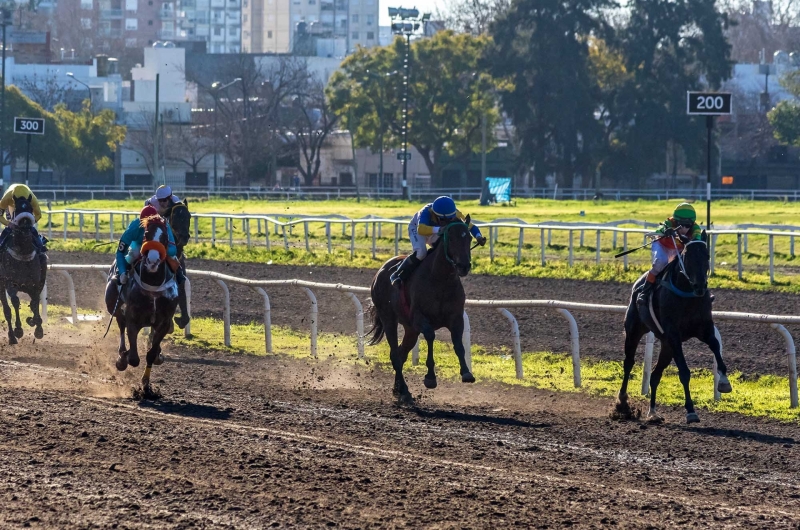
748	347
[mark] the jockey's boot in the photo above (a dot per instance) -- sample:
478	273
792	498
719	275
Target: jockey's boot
44	241
406	268
184	319
644	293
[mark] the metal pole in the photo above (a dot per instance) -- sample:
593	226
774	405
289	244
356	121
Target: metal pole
3	98
406	68
216	182
27	158
483	149
709	127
155	139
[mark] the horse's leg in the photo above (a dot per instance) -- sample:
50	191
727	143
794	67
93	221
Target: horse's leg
684	375
18	332
122	359
36	320
7	313
634	331
710	338
456	335
133	352
153	355
664	358
422	324
400	358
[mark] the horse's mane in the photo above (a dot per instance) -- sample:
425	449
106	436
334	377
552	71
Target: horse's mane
153	219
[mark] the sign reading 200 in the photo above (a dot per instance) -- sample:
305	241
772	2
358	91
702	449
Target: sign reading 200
708	103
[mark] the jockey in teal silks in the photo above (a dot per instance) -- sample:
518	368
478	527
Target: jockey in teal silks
131	242
424	229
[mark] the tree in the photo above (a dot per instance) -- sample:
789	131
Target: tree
188	144
89	139
47	92
471	16
449	94
141	140
542	47
307	126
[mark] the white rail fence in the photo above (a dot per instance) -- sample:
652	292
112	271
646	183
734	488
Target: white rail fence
284	226
502	306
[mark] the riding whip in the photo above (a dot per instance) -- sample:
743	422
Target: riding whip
635	249
116	305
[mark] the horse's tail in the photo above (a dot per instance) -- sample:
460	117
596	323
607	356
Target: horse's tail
377	326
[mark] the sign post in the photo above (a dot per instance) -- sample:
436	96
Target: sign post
708	104
29	127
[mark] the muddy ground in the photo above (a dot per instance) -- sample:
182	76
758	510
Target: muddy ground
239	441
751	348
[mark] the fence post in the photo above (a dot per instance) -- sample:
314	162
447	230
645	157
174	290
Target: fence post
396	239
43	299
285	238
305	234
226	312
597	250
771	259
614	240
648	363
266	235
71	289
792	353
328	235
352	239
624	248
745	243
247	231
213	232
541	237
739	253
491	244
466	339
791	246
373	241
713	252
580	243
576	346
97	226
519	244
359	323
230	232
267	319
313	317
515	335
187	287
111	227
80	227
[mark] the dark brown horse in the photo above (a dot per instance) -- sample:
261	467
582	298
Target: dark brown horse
150	299
432	298
180	219
22	268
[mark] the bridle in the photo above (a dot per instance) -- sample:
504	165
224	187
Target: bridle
446	238
176	206
681	264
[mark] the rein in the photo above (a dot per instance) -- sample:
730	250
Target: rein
670	285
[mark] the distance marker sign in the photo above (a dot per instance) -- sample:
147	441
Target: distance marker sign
28	125
708	103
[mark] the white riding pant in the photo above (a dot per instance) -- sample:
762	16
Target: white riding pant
662	256
420	243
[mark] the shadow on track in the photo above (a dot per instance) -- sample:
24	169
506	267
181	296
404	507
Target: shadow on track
189	410
476	418
200	360
736	433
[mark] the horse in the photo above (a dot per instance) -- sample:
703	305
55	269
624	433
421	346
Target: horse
679	309
150	298
432	298
180	219
22	268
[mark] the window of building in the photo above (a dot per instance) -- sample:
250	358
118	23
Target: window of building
355	19
370	20
355	35
217	31
343	23
312	2
244	19
86	23
87	4
131	43
269	34
232	32
131	5
370	35
131	24
149	22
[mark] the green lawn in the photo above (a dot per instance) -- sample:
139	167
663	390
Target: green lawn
271	243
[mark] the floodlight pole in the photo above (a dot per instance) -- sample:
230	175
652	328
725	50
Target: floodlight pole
709	128
406	75
4	22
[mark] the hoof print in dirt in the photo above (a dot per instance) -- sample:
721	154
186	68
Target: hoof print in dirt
622	411
149	393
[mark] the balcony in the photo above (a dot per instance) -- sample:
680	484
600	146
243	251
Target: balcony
166	15
110	32
166	34
110	14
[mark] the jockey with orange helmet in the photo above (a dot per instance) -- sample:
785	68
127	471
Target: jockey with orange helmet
8	204
131	241
423	230
673	235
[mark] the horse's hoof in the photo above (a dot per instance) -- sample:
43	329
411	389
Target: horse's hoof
430	383
38	332
122	363
159	360
724	385
30	321
406	399
18	332
133	359
652	417
467	378
692	417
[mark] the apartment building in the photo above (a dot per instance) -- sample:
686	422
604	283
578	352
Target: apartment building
217	22
326	28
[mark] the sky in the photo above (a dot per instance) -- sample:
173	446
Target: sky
424	6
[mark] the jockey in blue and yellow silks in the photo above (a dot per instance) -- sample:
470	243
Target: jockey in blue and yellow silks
423	230
131	241
7	204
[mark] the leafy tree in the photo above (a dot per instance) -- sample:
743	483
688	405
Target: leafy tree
89	139
785	116
542	47
448	96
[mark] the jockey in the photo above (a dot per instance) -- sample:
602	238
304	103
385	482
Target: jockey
162	199
131	241
424	230
683	227
18	191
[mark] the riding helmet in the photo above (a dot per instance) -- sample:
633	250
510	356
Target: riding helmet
685	211
148	211
444	207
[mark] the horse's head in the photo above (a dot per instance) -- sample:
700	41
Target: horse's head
456	249
180	220
696	263
156	239
23	212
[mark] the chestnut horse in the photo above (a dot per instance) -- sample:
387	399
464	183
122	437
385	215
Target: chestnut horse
432	298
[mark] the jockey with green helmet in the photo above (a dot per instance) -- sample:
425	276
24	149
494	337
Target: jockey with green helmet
672	236
424	229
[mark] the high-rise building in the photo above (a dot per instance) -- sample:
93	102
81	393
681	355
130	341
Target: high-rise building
327	28
217	22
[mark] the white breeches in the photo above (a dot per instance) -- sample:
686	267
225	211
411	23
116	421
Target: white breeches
420	243
661	257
